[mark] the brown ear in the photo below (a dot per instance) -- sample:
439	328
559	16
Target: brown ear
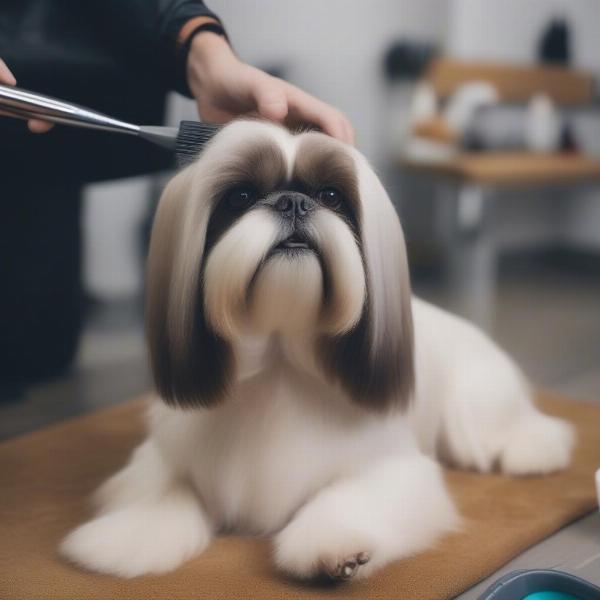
374	362
190	363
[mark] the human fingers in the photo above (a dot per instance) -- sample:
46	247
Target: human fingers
35	125
306	108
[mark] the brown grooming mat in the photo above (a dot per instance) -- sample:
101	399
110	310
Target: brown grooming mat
46	479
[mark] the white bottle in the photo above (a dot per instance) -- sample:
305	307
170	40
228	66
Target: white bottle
542	125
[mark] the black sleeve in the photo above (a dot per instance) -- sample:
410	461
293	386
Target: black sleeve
148	30
173	15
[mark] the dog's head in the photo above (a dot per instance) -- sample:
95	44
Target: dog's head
270	232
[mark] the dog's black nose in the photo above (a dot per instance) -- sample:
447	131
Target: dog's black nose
294	204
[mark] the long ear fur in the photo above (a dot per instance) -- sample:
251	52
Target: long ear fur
374	362
190	363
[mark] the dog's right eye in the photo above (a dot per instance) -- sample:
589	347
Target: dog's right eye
240	198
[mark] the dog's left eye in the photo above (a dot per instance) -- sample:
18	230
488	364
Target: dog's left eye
239	198
330	197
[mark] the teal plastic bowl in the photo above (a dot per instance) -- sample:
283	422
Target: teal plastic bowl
541	584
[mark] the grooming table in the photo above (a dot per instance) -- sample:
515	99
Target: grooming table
46	479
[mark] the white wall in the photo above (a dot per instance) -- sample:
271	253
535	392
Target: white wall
509	29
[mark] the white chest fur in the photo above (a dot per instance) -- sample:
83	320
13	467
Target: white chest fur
259	456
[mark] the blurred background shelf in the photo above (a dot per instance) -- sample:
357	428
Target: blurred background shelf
514	82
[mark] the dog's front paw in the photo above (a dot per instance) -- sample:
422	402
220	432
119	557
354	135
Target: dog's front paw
138	539
347	567
306	550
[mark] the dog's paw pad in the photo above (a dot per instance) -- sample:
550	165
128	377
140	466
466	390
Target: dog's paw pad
348	567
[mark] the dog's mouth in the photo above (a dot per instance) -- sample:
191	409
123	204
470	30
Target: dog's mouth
296	241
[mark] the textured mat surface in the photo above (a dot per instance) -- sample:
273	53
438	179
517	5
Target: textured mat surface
46	479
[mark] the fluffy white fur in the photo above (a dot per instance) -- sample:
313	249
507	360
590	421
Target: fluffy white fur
342	490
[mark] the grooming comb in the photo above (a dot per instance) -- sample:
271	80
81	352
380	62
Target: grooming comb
186	141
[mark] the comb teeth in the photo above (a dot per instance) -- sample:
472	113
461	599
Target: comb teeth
191	139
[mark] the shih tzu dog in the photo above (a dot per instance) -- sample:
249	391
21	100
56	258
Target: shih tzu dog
302	392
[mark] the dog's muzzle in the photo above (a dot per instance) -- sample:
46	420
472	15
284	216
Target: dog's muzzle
294	208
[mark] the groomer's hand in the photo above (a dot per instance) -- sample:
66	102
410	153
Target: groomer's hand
225	87
8	78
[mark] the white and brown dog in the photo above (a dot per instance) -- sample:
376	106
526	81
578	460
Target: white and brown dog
302	392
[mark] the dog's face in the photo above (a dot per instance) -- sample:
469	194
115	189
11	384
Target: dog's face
274	233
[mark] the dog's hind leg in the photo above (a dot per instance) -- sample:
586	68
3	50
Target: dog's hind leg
490	421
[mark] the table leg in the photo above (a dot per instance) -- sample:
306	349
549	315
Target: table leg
469	251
